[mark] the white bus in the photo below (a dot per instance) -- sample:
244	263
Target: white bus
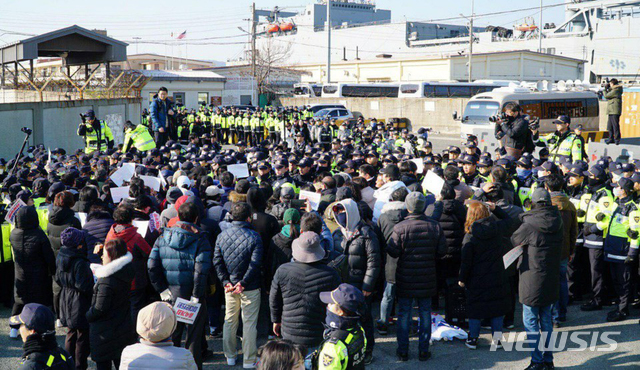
307	90
581	106
447	89
342	90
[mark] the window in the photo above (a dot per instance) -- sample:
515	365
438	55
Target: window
409	88
459	91
203	98
441	92
592	107
481	110
429	91
178	98
330	89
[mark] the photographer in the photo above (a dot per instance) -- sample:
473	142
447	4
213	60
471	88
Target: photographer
97	135
512	129
613	94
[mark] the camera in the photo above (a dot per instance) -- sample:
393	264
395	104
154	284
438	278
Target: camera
535	124
26	130
498	117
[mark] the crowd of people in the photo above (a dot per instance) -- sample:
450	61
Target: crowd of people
379	236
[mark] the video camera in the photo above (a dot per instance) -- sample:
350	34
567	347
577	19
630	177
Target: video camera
534	124
498	117
26	130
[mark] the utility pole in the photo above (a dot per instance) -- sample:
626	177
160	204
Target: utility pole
471	39
328	41
253	41
540	30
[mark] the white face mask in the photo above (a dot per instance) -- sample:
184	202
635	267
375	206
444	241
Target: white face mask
542	173
618	193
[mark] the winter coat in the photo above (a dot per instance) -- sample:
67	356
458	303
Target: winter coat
361	246
383	196
60	219
367	196
82	206
454	215
569	221
154	356
110	313
76	280
614	101
238	256
295	300
482	269
37	352
417	241
138	248
541	236
516	132
392	213
34	262
95	232
462	190
180	261
280	252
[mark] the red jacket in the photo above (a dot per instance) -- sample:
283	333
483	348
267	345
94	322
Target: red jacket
138	248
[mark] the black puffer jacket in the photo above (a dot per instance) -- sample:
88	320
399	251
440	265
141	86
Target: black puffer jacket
416	242
95	230
392	213
238	256
454	214
76	280
110	312
515	132
60	219
295	300
541	235
35	263
482	269
280	252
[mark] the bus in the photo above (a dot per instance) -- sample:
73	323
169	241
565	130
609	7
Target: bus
307	90
342	90
448	89
581	106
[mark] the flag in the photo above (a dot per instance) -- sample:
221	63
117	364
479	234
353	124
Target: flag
182	35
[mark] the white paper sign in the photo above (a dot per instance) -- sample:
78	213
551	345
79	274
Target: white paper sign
142	226
433	183
240	171
124	173
82	216
186	311
11	212
117	194
511	256
152	182
420	163
313	198
94	268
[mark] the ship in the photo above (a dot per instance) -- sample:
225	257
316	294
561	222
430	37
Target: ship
603	33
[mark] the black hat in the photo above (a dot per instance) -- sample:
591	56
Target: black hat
524	162
596	171
346	296
35	317
282	163
562	120
485	162
90	114
305	162
547	166
625	184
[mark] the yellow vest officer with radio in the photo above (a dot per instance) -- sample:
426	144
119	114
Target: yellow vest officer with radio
97	135
563	142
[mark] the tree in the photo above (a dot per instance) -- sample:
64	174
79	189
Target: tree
270	58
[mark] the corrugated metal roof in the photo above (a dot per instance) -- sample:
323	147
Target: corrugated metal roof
162	75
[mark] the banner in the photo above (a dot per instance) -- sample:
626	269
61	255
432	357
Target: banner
186	311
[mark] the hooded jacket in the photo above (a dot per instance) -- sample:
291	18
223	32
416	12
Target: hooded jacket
76	280
392	213
383	196
482	269
34	262
139	249
96	229
59	219
238	256
110	313
180	261
361	246
569	216
541	236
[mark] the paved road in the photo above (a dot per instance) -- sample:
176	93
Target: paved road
449	355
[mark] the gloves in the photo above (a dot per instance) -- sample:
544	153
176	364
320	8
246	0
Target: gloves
600	217
632	234
581	213
166	296
629	260
194	300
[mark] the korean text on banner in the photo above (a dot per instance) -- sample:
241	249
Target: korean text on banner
186	311
11	212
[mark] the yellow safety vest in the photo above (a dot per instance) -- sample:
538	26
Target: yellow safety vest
6	244
142	140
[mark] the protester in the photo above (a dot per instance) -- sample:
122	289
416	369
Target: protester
155	326
281	355
96	228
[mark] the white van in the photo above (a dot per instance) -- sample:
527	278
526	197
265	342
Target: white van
581	106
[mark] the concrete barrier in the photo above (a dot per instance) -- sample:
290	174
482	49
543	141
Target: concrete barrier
54	124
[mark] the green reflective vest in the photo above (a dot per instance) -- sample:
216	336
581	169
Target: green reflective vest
5	252
140	138
91	138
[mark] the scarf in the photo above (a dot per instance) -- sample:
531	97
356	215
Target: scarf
336	322
286	230
38	343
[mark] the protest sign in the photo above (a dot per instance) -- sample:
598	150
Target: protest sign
152	182
11	212
186	311
511	256
240	171
124	173
82	216
433	183
313	198
142	226
117	194
419	163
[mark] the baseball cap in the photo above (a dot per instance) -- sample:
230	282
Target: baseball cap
541	195
577	170
485	162
596	171
547	166
213	190
90	114
346	296
282	163
625	184
35	317
287	192
562	120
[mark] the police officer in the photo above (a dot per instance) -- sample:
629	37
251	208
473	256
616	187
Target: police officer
576	191
562	142
282	174
621	246
97	135
598	203
345	342
138	137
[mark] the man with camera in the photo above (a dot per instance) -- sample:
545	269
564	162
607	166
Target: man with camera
561	143
512	129
97	135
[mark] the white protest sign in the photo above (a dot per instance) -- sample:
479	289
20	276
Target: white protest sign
11	212
313	198
124	173
419	163
154	222
186	311
117	194
82	216
152	182
433	183
511	256
240	171
142	226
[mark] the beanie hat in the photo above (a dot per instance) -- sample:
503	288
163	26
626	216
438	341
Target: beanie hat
71	237
291	216
156	322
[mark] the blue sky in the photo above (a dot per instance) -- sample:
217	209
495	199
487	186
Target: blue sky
219	20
